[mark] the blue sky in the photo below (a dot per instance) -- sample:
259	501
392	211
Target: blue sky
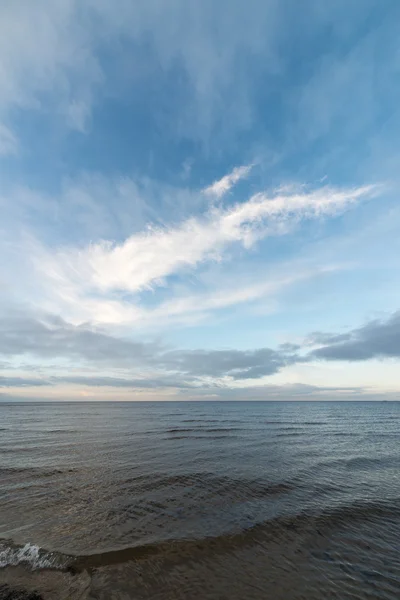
199	200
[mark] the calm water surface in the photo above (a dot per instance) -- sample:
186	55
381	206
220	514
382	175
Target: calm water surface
200	500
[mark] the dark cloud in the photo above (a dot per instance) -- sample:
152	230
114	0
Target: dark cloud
121	382
6	382
239	364
376	339
319	338
287	347
48	336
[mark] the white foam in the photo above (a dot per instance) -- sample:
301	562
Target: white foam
30	555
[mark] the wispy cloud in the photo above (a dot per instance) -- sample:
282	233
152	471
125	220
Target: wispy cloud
222	186
187	308
65	69
47	55
165	94
8	141
101	273
77	113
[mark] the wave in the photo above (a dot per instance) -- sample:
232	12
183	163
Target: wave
57	430
37	472
201	421
15	449
203	429
221	436
31	556
361	462
278	530
297	423
221	486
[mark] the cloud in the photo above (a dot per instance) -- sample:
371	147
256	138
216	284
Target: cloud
340	96
266	392
47	54
99	275
77	113
51	54
173	381
237	364
48	336
293	392
65	279
8	142
66	54
376	339
193	307
221	187
127	364
8	382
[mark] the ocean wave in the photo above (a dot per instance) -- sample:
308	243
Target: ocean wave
278	530
361	462
37	472
295	423
56	430
201	421
220	436
203	429
29	555
212	484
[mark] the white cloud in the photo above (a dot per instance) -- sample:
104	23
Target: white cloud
78	305
145	259
240	293
103	281
222	186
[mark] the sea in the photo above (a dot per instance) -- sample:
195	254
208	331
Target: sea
200	500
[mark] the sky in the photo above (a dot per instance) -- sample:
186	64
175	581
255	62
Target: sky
199	200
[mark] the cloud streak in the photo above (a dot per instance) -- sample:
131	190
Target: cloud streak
99	275
21	382
64	71
8	142
222	186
